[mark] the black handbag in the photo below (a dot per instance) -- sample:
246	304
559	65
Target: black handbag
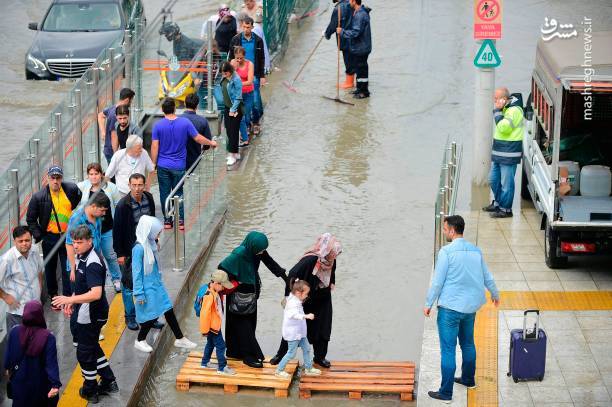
242	303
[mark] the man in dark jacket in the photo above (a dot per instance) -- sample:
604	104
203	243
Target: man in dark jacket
344	8
360	46
47	217
128	211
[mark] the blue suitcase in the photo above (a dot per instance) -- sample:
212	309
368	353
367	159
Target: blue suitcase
527	351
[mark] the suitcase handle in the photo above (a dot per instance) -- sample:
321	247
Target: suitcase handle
536	327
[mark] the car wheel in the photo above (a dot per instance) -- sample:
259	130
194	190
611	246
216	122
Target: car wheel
551	242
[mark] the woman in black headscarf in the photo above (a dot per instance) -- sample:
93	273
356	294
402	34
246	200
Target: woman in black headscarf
31	360
241	317
318	268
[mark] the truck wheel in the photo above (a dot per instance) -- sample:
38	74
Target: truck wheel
551	242
525	194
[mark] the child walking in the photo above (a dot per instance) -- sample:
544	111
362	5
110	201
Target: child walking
294	329
211	316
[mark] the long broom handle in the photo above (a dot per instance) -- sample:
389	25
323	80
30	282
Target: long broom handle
307	59
338	69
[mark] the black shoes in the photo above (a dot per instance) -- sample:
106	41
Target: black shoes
107	388
501	214
253	363
91	398
323	363
361	95
438	396
132	325
275	360
491	208
158	325
458	380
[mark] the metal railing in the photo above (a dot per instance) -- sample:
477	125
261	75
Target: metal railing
448	185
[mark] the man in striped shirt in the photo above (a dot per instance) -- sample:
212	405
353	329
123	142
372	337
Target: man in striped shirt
21	271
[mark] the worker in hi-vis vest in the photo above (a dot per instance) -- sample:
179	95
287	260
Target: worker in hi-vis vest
506	152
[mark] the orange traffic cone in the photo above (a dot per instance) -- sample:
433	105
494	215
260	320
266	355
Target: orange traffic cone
349	82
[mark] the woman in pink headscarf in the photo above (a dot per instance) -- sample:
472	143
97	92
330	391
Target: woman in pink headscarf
318	268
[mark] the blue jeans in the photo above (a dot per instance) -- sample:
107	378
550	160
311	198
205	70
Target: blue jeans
215	341
128	304
247	99
293	345
111	257
257	103
502	184
453	325
167	180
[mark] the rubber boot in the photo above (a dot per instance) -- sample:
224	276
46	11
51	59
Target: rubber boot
348	83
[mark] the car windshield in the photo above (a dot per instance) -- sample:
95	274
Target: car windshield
83	17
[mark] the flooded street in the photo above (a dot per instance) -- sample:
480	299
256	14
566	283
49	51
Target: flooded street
366	173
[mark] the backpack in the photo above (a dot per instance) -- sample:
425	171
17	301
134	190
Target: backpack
197	304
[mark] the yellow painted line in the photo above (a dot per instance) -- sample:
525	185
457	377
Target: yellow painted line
112	332
486	335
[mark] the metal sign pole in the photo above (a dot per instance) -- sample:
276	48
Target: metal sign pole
78	135
111	77
14	196
209	71
58	151
127	51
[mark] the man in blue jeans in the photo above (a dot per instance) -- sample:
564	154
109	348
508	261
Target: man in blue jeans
459	283
169	153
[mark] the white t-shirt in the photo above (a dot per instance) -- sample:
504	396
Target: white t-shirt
294	324
123	165
19	276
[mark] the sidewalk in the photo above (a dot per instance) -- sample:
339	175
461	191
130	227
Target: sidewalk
576	315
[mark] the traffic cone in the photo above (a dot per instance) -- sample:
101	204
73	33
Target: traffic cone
349	82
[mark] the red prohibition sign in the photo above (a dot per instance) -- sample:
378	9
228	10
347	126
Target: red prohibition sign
488	9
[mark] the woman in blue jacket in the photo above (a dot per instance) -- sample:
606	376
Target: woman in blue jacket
151	298
231	88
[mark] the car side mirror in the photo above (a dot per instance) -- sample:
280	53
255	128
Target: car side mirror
33	26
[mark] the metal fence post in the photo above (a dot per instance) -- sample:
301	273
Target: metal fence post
209	70
127	51
58	152
137	44
78	135
111	68
176	202
14	199
95	72
35	146
441	238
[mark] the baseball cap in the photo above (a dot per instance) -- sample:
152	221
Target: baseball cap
221	277
55	170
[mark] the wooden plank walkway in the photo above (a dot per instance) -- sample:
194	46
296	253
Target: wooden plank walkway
355	378
193	373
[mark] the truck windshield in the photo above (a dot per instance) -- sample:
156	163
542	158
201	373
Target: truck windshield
83	17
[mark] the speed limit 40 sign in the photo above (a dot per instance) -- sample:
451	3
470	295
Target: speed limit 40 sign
487	56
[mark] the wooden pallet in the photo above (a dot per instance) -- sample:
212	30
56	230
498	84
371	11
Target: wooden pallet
193	373
359	377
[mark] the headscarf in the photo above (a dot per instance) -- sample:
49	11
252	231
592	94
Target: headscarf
33	332
326	248
146	232
242	262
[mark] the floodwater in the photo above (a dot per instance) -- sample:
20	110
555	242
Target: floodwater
366	173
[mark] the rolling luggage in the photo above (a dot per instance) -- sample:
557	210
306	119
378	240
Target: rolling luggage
527	351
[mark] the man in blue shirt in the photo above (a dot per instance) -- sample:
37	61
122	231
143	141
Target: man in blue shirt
459	283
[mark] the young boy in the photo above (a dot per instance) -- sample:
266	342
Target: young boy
211	316
294	330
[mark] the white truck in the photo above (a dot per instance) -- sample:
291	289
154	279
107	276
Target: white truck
570	108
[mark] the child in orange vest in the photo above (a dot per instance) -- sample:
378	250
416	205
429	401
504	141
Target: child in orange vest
211	316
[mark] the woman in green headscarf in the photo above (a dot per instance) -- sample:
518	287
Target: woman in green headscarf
241	318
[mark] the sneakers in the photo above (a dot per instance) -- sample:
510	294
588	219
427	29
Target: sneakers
143	346
361	95
168	224
282	374
117	285
107	388
132	325
181	225
204	365
158	325
458	380
491	208
227	371
243	144
500	214
231	161
312	372
75	344
91	398
101	337
184	343
438	396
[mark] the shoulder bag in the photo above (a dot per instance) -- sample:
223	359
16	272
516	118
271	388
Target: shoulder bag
242	303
